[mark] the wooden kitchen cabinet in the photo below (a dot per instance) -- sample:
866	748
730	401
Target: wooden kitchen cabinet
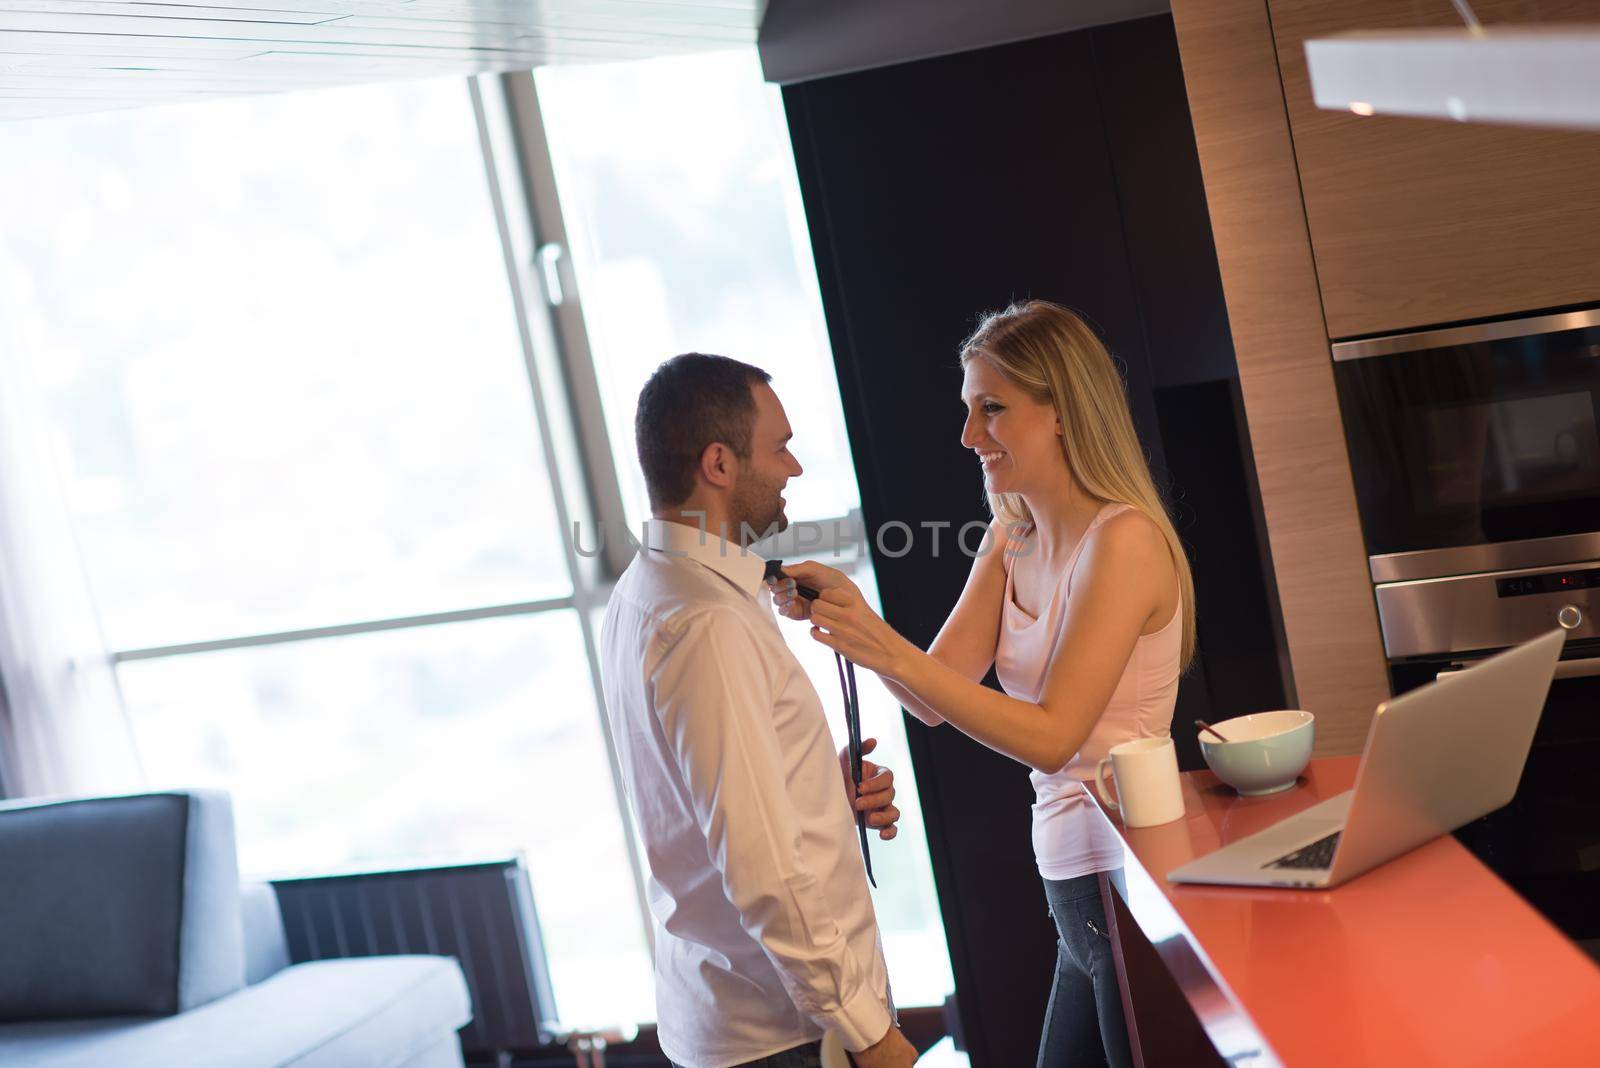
1416	222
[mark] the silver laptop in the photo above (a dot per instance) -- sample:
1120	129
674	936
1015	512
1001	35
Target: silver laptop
1436	758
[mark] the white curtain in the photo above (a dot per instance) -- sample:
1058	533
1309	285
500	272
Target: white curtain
63	728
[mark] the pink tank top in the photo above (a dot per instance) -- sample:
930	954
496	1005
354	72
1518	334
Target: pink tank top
1068	839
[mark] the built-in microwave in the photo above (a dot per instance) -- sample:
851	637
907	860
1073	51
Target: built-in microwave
1475	453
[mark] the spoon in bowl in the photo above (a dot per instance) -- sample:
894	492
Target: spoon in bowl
1203	725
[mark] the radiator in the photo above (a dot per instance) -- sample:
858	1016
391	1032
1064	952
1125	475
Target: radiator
480	914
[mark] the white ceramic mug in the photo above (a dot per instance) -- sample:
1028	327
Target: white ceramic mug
1146	772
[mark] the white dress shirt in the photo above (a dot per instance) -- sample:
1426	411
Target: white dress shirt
765	934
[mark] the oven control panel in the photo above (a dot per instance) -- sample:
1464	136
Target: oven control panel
1482	612
1549	582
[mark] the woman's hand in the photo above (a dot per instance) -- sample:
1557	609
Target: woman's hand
876	797
844	622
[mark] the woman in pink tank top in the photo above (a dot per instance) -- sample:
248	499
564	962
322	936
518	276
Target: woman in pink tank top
1082	602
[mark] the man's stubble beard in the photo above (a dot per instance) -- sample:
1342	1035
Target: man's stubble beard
755	505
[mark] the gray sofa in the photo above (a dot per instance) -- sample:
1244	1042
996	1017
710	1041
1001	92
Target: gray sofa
126	941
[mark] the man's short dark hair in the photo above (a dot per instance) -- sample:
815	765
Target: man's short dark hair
690	402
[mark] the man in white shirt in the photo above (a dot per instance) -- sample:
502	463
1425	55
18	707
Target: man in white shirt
765	933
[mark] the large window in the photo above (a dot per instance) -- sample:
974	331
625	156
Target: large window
281	351
279	339
300	401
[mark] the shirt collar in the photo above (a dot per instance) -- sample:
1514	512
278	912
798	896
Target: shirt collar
732	561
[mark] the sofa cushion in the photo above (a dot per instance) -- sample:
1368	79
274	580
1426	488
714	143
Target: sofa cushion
118	905
355	1013
266	948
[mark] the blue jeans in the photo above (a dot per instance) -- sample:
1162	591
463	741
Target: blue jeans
808	1056
1084	1025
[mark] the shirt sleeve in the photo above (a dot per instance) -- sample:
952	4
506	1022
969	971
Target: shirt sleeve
714	698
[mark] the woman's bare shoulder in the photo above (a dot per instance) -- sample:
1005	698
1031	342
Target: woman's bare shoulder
1129	538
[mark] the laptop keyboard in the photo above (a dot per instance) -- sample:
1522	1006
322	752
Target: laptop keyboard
1318	854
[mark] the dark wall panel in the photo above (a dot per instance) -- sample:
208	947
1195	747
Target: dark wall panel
1178	291
1177	286
1061	168
936	190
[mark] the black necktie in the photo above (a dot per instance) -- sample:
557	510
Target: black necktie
852	723
852	716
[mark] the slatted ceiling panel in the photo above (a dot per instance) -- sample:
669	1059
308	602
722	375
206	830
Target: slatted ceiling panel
20	13
63	56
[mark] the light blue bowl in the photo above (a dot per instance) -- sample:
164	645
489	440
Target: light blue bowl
1265	752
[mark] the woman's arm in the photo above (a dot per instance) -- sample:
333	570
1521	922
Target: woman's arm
1125	572
910	703
966	643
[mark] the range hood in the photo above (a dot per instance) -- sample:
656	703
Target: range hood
1546	75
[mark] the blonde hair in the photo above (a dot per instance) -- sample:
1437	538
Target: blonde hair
1053	356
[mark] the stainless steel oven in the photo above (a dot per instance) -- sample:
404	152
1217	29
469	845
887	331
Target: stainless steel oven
1476	461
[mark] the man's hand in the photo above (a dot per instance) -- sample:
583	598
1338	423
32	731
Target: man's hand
877	791
890	1051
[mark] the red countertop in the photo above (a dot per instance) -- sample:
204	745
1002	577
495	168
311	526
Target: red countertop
1427	960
